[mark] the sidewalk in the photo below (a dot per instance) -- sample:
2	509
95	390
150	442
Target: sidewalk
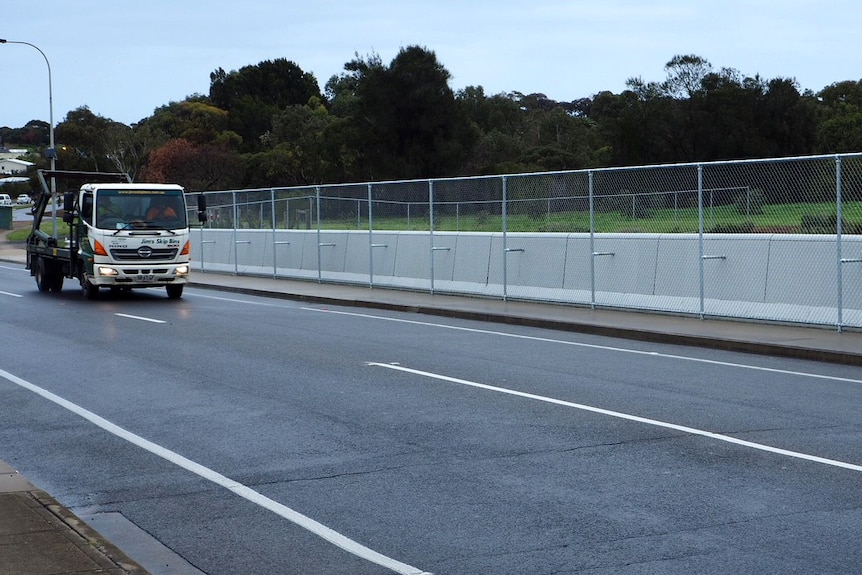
38	536
35	529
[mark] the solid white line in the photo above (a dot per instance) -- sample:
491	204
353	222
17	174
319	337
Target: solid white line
235	300
591	346
149	319
10	294
245	492
629	417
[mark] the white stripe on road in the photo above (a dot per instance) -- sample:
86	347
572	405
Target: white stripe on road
245	492
590	345
137	317
10	294
629	417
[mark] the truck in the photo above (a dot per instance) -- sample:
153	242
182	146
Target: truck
120	235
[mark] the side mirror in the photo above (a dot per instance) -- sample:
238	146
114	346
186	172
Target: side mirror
202	208
69	207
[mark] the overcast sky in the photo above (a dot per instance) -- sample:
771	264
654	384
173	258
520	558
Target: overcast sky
125	58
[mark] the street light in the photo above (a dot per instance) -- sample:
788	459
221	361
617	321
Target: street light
51	152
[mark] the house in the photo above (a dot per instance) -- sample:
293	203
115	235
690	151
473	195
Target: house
10	166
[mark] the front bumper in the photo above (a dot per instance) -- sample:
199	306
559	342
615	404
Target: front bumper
153	274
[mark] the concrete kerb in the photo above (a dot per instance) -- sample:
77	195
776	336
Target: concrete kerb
46	537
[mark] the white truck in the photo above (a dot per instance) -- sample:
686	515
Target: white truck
121	235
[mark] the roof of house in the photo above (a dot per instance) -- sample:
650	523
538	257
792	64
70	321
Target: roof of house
16	161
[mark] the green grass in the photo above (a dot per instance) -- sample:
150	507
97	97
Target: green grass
785	218
47	226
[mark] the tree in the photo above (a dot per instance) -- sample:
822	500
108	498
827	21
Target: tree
402	119
196	167
89	142
194	119
841	117
297	146
253	95
685	75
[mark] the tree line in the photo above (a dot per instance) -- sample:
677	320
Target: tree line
271	124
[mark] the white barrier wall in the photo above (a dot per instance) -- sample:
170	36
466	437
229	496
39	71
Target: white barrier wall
780	277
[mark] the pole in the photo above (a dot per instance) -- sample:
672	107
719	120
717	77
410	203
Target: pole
51	152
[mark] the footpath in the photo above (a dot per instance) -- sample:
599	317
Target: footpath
38	536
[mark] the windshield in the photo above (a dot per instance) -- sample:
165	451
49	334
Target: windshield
140	209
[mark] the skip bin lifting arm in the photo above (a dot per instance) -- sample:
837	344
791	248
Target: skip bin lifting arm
90	177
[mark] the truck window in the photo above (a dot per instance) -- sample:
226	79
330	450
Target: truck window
109	214
87	208
140	209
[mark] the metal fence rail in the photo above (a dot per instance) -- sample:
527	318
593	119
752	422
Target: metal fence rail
777	240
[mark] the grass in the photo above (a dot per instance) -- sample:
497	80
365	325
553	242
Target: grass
20	231
786	218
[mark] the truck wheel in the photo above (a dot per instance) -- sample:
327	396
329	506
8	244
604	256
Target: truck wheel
55	282
47	276
175	291
89	290
39	274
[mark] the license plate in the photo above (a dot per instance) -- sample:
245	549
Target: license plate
145	277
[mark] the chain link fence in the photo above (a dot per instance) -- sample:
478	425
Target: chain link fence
777	240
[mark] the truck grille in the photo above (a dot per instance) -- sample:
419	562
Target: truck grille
143	254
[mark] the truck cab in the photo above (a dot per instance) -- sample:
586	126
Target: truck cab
132	235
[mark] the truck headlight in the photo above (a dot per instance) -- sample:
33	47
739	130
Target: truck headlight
106	271
182	270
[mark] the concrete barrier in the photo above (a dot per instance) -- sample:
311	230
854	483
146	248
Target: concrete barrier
780	277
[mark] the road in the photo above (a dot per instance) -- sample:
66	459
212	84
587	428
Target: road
265	436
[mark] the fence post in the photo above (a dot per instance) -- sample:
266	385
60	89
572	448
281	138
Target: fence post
272	212
370	241
235	227
431	231
317	206
505	252
839	229
700	247
592	241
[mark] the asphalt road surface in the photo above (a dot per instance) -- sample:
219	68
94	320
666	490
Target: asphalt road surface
249	435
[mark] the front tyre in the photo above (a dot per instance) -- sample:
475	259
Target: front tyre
89	290
175	291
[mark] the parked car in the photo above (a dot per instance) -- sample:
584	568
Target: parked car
5	200
24	200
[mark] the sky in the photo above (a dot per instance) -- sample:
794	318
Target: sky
125	58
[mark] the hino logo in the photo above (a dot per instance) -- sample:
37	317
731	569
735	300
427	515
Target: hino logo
145	251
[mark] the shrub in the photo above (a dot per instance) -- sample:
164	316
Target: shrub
740	228
820	223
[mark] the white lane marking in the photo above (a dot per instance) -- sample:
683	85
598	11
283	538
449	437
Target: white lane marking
10	294
210	475
591	346
249	302
149	319
620	415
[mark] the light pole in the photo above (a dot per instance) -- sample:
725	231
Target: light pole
51	152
